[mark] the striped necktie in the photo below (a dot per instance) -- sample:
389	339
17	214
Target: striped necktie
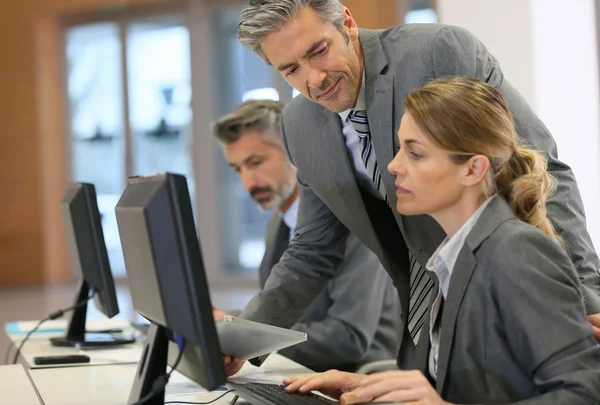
421	284
367	153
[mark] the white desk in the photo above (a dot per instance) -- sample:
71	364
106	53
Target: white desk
16	387
39	345
110	385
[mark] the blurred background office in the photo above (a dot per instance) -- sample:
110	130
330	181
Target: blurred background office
97	90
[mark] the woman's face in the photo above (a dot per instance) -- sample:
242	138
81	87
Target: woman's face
427	181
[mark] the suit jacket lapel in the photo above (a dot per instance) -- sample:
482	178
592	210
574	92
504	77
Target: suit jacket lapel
381	81
341	189
381	123
423	348
379	94
463	270
424	345
493	216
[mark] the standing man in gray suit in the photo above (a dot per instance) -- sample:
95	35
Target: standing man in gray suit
355	320
341	134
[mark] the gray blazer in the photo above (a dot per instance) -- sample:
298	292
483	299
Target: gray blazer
397	61
513	324
354	321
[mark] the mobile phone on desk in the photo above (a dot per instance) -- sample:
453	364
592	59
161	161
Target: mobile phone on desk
64	359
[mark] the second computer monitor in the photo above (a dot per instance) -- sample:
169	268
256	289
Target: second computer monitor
166	275
89	260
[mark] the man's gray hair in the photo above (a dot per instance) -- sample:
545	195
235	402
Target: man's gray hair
259	115
264	17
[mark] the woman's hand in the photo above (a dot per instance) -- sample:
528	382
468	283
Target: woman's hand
332	383
410	387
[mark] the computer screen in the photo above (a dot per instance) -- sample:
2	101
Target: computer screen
166	275
89	260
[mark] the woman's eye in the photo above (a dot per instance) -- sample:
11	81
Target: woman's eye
415	155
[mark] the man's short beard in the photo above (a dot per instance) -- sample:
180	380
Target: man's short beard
279	198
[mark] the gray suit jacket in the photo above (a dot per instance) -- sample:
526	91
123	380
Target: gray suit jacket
354	321
513	325
397	61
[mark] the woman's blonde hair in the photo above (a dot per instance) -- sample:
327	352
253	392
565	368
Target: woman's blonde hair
467	117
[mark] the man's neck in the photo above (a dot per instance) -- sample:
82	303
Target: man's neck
288	203
361	60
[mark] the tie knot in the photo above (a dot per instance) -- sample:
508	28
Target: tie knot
358	115
360	122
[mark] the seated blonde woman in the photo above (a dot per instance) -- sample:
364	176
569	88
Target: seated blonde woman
508	323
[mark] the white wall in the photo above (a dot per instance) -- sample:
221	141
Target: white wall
548	50
566	75
504	27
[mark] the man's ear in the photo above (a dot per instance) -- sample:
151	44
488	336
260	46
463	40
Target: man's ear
476	169
350	25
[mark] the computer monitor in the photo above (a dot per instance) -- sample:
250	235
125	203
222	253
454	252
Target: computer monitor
89	259
168	286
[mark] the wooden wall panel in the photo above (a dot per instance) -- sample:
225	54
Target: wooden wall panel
33	171
33	157
20	227
375	14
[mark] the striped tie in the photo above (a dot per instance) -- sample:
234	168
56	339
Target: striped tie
420	282
421	286
367	153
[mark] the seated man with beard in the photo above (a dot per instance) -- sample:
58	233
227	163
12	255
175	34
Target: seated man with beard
354	320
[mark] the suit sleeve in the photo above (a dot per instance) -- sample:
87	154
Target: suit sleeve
457	52
359	294
316	251
553	343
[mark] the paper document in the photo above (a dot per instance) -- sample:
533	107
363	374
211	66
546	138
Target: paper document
59	325
244	339
181	385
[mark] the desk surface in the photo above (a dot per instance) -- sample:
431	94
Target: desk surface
39	345
16	386
110	385
127	354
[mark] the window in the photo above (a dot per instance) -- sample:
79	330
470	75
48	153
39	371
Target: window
268	93
425	15
97	139
159	79
420	12
241	75
108	142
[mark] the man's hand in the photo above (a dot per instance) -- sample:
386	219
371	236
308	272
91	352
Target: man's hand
217	313
595	321
232	366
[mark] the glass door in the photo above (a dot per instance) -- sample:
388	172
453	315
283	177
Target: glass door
129	93
97	130
159	90
240	75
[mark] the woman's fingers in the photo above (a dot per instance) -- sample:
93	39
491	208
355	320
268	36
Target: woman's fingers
394	386
332	382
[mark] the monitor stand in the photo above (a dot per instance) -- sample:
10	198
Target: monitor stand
152	365
76	335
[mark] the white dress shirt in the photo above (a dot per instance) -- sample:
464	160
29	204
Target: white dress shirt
352	140
290	217
442	264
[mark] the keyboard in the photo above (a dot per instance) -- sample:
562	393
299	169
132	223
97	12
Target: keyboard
270	394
